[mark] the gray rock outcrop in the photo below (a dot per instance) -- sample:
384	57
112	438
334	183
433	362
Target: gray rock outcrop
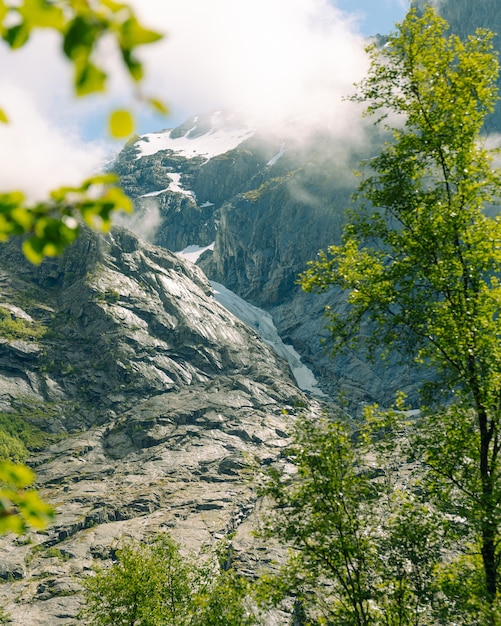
152	396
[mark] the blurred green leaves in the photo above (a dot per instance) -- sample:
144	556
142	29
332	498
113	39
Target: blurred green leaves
49	226
53	224
20	508
83	25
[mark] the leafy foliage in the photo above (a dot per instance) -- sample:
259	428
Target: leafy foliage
152	584
364	547
421	259
20	508
51	225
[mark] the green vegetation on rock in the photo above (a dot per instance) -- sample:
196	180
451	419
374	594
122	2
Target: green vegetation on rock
19	434
14	327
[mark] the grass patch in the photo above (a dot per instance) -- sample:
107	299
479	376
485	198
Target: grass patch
46	552
19	436
12	327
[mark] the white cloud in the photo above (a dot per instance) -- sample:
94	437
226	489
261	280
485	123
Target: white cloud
145	221
275	59
35	154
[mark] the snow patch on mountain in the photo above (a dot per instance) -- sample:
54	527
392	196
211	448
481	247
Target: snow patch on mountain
176	187
154	193
262	322
210	144
277	156
173	186
193	252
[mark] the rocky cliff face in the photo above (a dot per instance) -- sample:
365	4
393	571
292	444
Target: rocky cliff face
151	394
267	202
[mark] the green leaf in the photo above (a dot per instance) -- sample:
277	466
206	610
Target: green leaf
42	14
15	475
88	78
114	6
79	38
158	105
34	510
17	36
133	65
119	200
3	13
133	34
121	124
23	217
32	252
10	522
100	179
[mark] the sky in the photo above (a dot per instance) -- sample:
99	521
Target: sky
274	59
375	16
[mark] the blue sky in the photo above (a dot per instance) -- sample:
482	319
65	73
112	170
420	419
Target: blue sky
376	16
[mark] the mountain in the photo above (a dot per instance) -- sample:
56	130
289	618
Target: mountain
143	395
262	202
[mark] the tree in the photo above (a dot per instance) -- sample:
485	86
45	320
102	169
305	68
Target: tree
421	258
364	547
152	584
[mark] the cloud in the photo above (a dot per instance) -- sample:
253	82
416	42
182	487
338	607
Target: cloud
145	221
35	153
272	58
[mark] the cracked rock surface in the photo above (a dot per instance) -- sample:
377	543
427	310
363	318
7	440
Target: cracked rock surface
152	397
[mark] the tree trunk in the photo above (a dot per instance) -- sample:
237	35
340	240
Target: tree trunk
488	524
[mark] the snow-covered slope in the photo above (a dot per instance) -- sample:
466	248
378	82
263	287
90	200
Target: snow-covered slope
198	137
262	323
